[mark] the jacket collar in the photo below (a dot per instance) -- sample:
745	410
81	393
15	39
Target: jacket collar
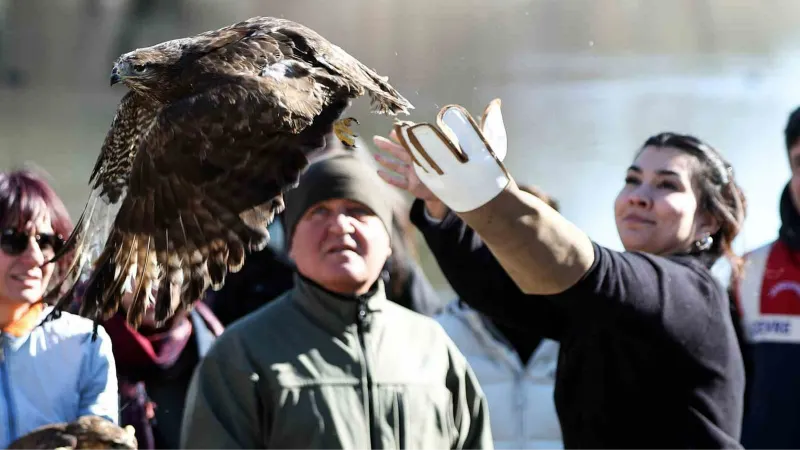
334	311
26	322
17	339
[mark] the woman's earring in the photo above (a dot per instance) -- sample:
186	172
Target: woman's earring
704	243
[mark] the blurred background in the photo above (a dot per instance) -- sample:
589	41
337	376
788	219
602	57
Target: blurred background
583	82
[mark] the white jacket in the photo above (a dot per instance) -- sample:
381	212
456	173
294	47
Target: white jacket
522	411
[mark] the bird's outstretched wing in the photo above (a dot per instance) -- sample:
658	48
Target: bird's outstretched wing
108	180
205	183
359	78
253	46
192	185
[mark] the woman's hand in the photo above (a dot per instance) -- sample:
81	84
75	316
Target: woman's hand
402	173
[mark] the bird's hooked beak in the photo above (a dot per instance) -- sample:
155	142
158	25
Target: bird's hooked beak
115	76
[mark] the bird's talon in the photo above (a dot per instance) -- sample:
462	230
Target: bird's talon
343	132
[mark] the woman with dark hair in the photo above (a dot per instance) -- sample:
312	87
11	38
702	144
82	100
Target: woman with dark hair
648	353
53	372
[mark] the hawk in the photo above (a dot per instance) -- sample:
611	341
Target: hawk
214	129
84	433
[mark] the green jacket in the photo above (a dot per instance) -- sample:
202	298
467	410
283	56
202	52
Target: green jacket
314	369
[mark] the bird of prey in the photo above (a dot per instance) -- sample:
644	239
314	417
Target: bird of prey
214	129
84	433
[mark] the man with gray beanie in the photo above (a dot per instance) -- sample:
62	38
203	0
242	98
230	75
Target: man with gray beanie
332	363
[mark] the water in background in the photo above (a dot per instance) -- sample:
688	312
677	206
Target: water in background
583	82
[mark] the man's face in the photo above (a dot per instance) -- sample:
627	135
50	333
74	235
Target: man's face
794	183
340	244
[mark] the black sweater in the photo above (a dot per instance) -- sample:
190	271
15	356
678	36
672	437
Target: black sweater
649	356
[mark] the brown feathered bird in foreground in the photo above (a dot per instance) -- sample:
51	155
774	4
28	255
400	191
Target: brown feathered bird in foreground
214	129
85	433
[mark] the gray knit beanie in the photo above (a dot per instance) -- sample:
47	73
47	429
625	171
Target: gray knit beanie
341	174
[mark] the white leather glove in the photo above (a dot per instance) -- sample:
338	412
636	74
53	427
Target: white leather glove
457	159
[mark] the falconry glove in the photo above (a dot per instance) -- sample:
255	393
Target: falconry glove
459	160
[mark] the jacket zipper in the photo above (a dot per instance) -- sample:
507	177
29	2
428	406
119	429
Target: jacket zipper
6	384
361	327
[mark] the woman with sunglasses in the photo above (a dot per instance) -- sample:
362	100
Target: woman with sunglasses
649	355
49	372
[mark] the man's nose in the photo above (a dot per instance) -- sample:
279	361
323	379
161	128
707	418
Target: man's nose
342	223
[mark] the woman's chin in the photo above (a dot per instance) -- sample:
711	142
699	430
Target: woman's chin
28	296
633	242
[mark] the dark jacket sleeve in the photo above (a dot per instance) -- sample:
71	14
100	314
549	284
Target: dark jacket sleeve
479	280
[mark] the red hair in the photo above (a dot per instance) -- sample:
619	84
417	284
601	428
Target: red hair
25	197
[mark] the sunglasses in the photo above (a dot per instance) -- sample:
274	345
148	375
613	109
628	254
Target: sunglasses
14	242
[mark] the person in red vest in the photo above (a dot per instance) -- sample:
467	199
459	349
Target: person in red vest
768	296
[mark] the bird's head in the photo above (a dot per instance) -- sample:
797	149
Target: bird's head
146	70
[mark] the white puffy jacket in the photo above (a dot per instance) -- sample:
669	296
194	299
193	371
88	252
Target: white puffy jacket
521	407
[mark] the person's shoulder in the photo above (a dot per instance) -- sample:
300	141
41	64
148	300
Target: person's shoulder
69	325
408	316
453	308
639	264
423	328
690	280
250	337
644	275
688	273
672	266
761	251
261	317
454	314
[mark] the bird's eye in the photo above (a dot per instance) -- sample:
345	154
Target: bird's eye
138	68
